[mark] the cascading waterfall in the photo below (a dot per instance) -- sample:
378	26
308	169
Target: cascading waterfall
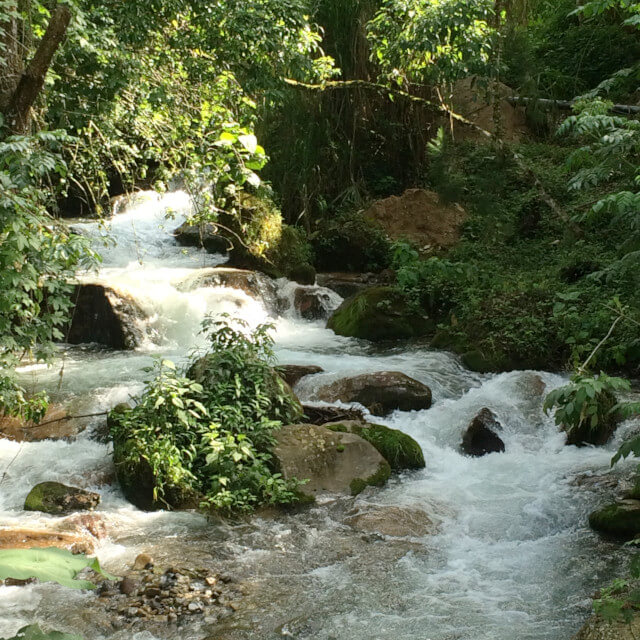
510	555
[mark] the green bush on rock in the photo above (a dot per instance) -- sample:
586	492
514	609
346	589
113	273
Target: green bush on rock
379	313
203	438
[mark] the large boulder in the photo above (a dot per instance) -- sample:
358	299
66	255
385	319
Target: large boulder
480	437
58	499
597	628
379	313
400	450
106	316
381	392
619	520
331	461
256	285
392	521
55	425
418	216
203	235
292	373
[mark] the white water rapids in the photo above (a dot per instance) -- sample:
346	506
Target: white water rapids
512	559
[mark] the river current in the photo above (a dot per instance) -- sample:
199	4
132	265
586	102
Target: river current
512	557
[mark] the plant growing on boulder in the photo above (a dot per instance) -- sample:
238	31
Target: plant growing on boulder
203	438
585	408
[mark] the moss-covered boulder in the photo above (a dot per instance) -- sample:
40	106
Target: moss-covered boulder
620	519
400	450
381	392
329	461
597	628
379	313
58	499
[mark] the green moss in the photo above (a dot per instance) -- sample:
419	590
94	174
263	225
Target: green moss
302	274
400	450
379	313
34	632
621	520
358	485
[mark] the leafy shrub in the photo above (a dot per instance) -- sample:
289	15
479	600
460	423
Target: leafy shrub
203	436
585	408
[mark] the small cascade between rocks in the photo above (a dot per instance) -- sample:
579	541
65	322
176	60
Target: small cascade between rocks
489	548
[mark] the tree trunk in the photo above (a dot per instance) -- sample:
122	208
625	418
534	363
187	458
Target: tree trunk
10	57
32	80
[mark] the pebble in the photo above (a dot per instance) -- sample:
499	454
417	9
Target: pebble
128	586
143	561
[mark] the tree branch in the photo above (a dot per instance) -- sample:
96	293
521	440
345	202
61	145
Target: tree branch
32	80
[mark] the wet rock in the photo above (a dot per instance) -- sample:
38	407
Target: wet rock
391	521
379	313
105	316
128	586
143	561
76	542
323	414
347	284
312	303
418	216
596	628
92	523
381	392
400	450
619	520
292	373
254	284
56	499
332	462
203	235
55	425
480	437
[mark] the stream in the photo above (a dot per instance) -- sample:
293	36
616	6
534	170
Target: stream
512	556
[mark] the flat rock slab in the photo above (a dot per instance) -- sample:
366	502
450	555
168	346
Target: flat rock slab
381	392
398	522
332	462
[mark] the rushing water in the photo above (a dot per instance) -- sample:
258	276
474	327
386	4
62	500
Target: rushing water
511	557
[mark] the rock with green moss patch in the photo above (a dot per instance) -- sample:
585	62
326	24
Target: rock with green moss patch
620	519
381	392
379	313
400	450
330	461
585	434
58	499
302	274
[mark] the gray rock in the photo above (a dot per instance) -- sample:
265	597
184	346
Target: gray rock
332	462
381	392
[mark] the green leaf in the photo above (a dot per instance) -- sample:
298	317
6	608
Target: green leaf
48	565
34	632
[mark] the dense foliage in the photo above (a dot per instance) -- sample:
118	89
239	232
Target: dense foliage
206	432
